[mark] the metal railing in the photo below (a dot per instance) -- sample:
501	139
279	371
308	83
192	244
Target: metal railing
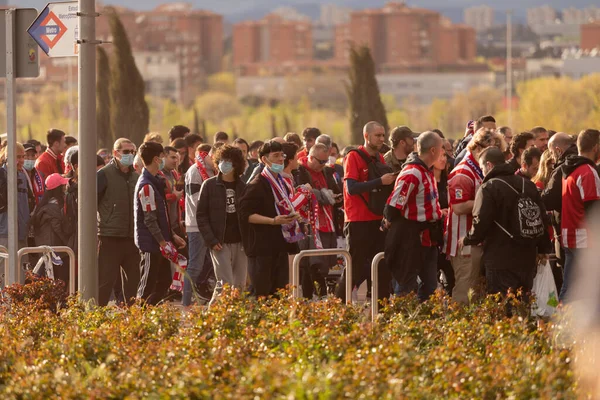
316	253
4	255
56	249
375	285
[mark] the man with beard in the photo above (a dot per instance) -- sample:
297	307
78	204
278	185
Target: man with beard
402	140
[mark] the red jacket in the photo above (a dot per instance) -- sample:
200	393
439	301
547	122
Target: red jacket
48	163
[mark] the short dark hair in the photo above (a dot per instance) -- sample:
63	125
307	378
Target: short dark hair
311	133
519	142
503	129
551	133
531	154
54	135
269	147
34	142
233	154
221	136
440	133
168	149
257	144
203	147
99	160
587	139
179	143
334	144
493	155
538	129
149	150
178	132
289	150
69	140
192	139
481	120
74	159
292	137
242	141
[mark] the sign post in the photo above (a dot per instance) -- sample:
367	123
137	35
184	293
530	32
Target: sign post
18	58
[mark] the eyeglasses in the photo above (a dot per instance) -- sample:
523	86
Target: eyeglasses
127	151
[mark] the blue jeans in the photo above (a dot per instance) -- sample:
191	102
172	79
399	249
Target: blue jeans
570	259
197	251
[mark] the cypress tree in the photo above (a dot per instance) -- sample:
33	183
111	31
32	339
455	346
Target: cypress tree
286	122
363	93
203	133
273	126
129	114
103	128
196	122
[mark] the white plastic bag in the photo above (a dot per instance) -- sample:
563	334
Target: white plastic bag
544	289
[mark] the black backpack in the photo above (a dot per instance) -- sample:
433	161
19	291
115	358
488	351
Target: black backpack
378	197
526	222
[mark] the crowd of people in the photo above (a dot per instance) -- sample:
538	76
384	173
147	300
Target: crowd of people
473	215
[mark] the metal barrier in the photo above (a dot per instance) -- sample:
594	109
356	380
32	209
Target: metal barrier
4	255
375	285
57	249
316	253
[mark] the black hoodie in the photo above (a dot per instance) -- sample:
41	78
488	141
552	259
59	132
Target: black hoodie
494	203
552	194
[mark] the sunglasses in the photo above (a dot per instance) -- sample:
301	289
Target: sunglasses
322	162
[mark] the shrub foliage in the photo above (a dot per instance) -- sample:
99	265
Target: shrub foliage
278	348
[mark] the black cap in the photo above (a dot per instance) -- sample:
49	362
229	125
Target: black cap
401	133
28	147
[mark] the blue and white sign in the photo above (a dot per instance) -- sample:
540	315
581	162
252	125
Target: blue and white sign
56	29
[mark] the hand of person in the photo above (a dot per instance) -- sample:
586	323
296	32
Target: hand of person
217	247
179	242
284	219
542	259
385	224
178	193
444	212
461	244
388	179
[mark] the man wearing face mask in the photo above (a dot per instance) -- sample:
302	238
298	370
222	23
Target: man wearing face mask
269	224
117	250
35	181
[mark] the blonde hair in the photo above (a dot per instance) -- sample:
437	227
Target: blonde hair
4	151
153	137
485	138
546	164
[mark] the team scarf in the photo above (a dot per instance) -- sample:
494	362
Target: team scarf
201	165
327	211
474	166
287	201
308	210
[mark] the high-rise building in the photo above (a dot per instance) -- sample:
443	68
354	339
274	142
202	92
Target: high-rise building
193	37
332	15
271	40
290	14
540	16
400	36
590	36
481	18
580	16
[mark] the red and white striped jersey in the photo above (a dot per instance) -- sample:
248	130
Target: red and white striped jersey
463	183
581	186
416	194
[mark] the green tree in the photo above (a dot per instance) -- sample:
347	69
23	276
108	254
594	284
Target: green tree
129	112
363	93
103	128
196	125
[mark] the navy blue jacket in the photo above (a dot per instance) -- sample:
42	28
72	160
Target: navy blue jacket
143	238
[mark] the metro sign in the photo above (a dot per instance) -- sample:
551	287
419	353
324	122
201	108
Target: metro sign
55	29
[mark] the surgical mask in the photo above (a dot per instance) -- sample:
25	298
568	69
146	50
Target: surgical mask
127	160
161	166
225	167
29	164
332	160
276	168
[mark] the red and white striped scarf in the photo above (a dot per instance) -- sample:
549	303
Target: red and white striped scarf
287	201
201	165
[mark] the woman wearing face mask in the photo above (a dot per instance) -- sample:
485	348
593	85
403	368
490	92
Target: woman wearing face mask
50	224
218	220
36	183
269	223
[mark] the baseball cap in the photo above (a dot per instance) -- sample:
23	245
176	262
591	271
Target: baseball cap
55	180
401	133
28	147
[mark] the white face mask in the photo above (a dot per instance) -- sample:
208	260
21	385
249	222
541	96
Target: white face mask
332	160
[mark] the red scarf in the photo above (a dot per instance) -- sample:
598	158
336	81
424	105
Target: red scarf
201	165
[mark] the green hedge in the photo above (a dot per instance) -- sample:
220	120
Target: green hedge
278	348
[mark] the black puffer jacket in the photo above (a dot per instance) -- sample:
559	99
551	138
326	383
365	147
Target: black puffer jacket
552	194
494	202
211	214
50	225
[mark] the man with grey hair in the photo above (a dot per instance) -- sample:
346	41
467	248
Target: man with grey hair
324	139
366	178
313	171
414	218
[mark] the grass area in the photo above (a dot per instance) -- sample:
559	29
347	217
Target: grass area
276	348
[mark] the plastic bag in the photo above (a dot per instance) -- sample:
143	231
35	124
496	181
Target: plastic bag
48	260
544	288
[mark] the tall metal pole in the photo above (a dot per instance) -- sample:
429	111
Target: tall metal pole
509	70
71	100
87	197
12	266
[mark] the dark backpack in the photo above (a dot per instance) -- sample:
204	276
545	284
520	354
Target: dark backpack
3	190
526	222
378	197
